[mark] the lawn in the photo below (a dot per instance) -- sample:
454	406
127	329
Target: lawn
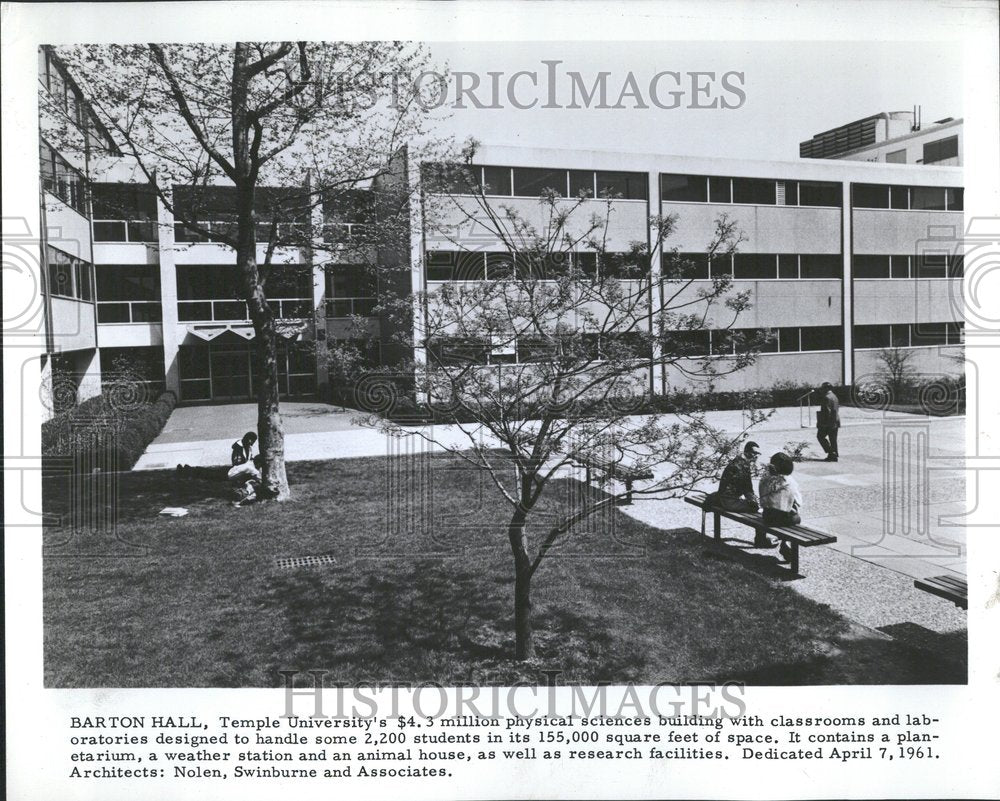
202	601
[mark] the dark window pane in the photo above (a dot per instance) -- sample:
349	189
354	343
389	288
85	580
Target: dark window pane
722	265
586	263
534	350
142	232
763	340
753	266
932	265
193	360
931	198
870	196
500	266
791	193
900	197
113	313
555	265
822	337
760	191
446	178
84	284
788	340
871	336
196	390
821	265
440	265
109	231
956	267
496	180
184	234
229	310
720	190
115	201
900	335
871	266
930	334
470	266
686	265
620	266
956	198
686	343
689	188
940	150
530	181
722	343
900	266
147	313
956	333
628	185
188	312
788	265
581	182
820	193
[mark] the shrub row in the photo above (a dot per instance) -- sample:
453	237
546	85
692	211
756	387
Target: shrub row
101	432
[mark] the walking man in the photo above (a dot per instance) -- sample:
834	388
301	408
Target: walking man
828	421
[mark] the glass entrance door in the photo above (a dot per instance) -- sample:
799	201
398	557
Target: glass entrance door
231	371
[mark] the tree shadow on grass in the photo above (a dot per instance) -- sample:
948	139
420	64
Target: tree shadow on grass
427	621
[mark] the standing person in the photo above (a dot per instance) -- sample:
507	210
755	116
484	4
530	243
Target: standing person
828	422
243	449
780	496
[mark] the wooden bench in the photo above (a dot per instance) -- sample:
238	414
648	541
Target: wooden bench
793	535
952	588
617	471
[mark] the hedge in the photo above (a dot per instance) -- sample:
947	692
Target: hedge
104	432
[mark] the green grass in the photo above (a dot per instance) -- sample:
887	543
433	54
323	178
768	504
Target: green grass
200	602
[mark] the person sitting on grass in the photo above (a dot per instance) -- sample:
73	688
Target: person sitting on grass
780	496
245	478
243	449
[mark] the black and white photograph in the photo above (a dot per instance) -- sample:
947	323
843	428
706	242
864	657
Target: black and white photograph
531	408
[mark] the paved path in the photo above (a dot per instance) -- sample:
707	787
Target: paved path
873	499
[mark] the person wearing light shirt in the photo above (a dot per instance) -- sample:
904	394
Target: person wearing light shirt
780	496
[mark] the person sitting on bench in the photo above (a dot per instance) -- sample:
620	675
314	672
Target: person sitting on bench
735	493
780	496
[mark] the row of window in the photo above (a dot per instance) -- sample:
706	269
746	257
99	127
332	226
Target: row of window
460	265
61	179
756	266
728	342
920	198
69	99
532	181
928	265
680	188
906	335
69	277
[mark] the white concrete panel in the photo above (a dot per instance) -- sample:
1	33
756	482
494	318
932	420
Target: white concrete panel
129	335
888	231
775	303
900	300
68	230
768	229
769	369
72	325
126	253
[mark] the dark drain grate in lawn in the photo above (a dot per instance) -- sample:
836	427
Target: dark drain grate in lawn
306	561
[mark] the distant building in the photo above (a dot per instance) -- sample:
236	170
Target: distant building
893	137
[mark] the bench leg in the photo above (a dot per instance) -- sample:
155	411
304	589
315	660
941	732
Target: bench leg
794	564
718	527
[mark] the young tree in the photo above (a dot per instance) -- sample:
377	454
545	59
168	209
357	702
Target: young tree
898	370
539	353
320	118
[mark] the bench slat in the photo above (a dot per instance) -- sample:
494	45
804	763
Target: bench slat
950	588
803	535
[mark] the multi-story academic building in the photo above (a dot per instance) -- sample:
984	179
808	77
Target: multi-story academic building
842	258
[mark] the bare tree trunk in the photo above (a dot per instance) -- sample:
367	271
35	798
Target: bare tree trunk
270	429
524	646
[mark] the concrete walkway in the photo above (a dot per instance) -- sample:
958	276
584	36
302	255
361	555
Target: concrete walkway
895	498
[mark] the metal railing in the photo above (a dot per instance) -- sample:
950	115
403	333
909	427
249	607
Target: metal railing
345	307
805	410
126	231
197	311
129	311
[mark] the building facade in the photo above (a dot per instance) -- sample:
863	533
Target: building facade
841	259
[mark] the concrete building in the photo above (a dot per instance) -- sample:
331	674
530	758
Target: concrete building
842	258
892	137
